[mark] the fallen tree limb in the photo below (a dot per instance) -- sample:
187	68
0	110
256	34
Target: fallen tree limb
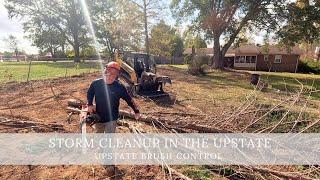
30	124
177	113
153	120
165	122
171	124
170	170
280	174
191	126
180	175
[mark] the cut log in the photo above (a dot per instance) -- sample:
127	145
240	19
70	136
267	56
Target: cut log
170	124
75	103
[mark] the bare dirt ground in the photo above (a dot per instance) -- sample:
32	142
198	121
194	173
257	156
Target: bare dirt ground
40	107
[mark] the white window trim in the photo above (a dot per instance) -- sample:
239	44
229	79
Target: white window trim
266	58
280	59
237	58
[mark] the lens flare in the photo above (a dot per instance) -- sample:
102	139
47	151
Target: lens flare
88	19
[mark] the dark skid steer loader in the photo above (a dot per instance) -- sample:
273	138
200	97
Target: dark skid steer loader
138	74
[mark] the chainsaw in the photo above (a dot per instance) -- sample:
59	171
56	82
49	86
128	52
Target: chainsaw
85	118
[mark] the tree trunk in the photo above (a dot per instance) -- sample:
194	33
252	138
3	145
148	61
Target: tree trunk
75	30
146	26
63	50
54	52
217	62
51	51
77	53
16	52
76	49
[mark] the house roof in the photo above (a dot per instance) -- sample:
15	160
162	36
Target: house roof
249	49
245	49
282	50
198	50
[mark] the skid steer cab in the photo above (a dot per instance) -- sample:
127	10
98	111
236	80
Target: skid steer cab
139	74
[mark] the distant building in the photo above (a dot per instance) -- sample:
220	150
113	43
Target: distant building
19	57
252	57
13	58
48	56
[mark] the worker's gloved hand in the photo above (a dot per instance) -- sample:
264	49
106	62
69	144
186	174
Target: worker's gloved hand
137	116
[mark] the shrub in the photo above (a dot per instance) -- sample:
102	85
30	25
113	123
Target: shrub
309	67
187	58
198	65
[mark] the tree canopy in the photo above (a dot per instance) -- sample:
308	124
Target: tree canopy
165	41
303	23
47	17
118	25
192	39
227	18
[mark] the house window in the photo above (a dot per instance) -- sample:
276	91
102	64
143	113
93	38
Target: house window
248	59
237	59
277	59
266	57
245	59
253	59
242	59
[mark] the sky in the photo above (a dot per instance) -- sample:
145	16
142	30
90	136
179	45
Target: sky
15	28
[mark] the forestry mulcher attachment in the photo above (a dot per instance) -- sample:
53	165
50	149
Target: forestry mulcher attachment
138	74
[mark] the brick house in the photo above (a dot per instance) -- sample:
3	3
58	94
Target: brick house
252	57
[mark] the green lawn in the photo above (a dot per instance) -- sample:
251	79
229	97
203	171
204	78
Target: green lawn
184	66
282	81
18	71
292	82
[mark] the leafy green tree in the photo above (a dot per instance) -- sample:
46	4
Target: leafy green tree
118	25
150	9
7	54
303	23
88	51
70	53
12	43
46	38
165	41
192	39
266	43
178	47
242	39
227	18
66	16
